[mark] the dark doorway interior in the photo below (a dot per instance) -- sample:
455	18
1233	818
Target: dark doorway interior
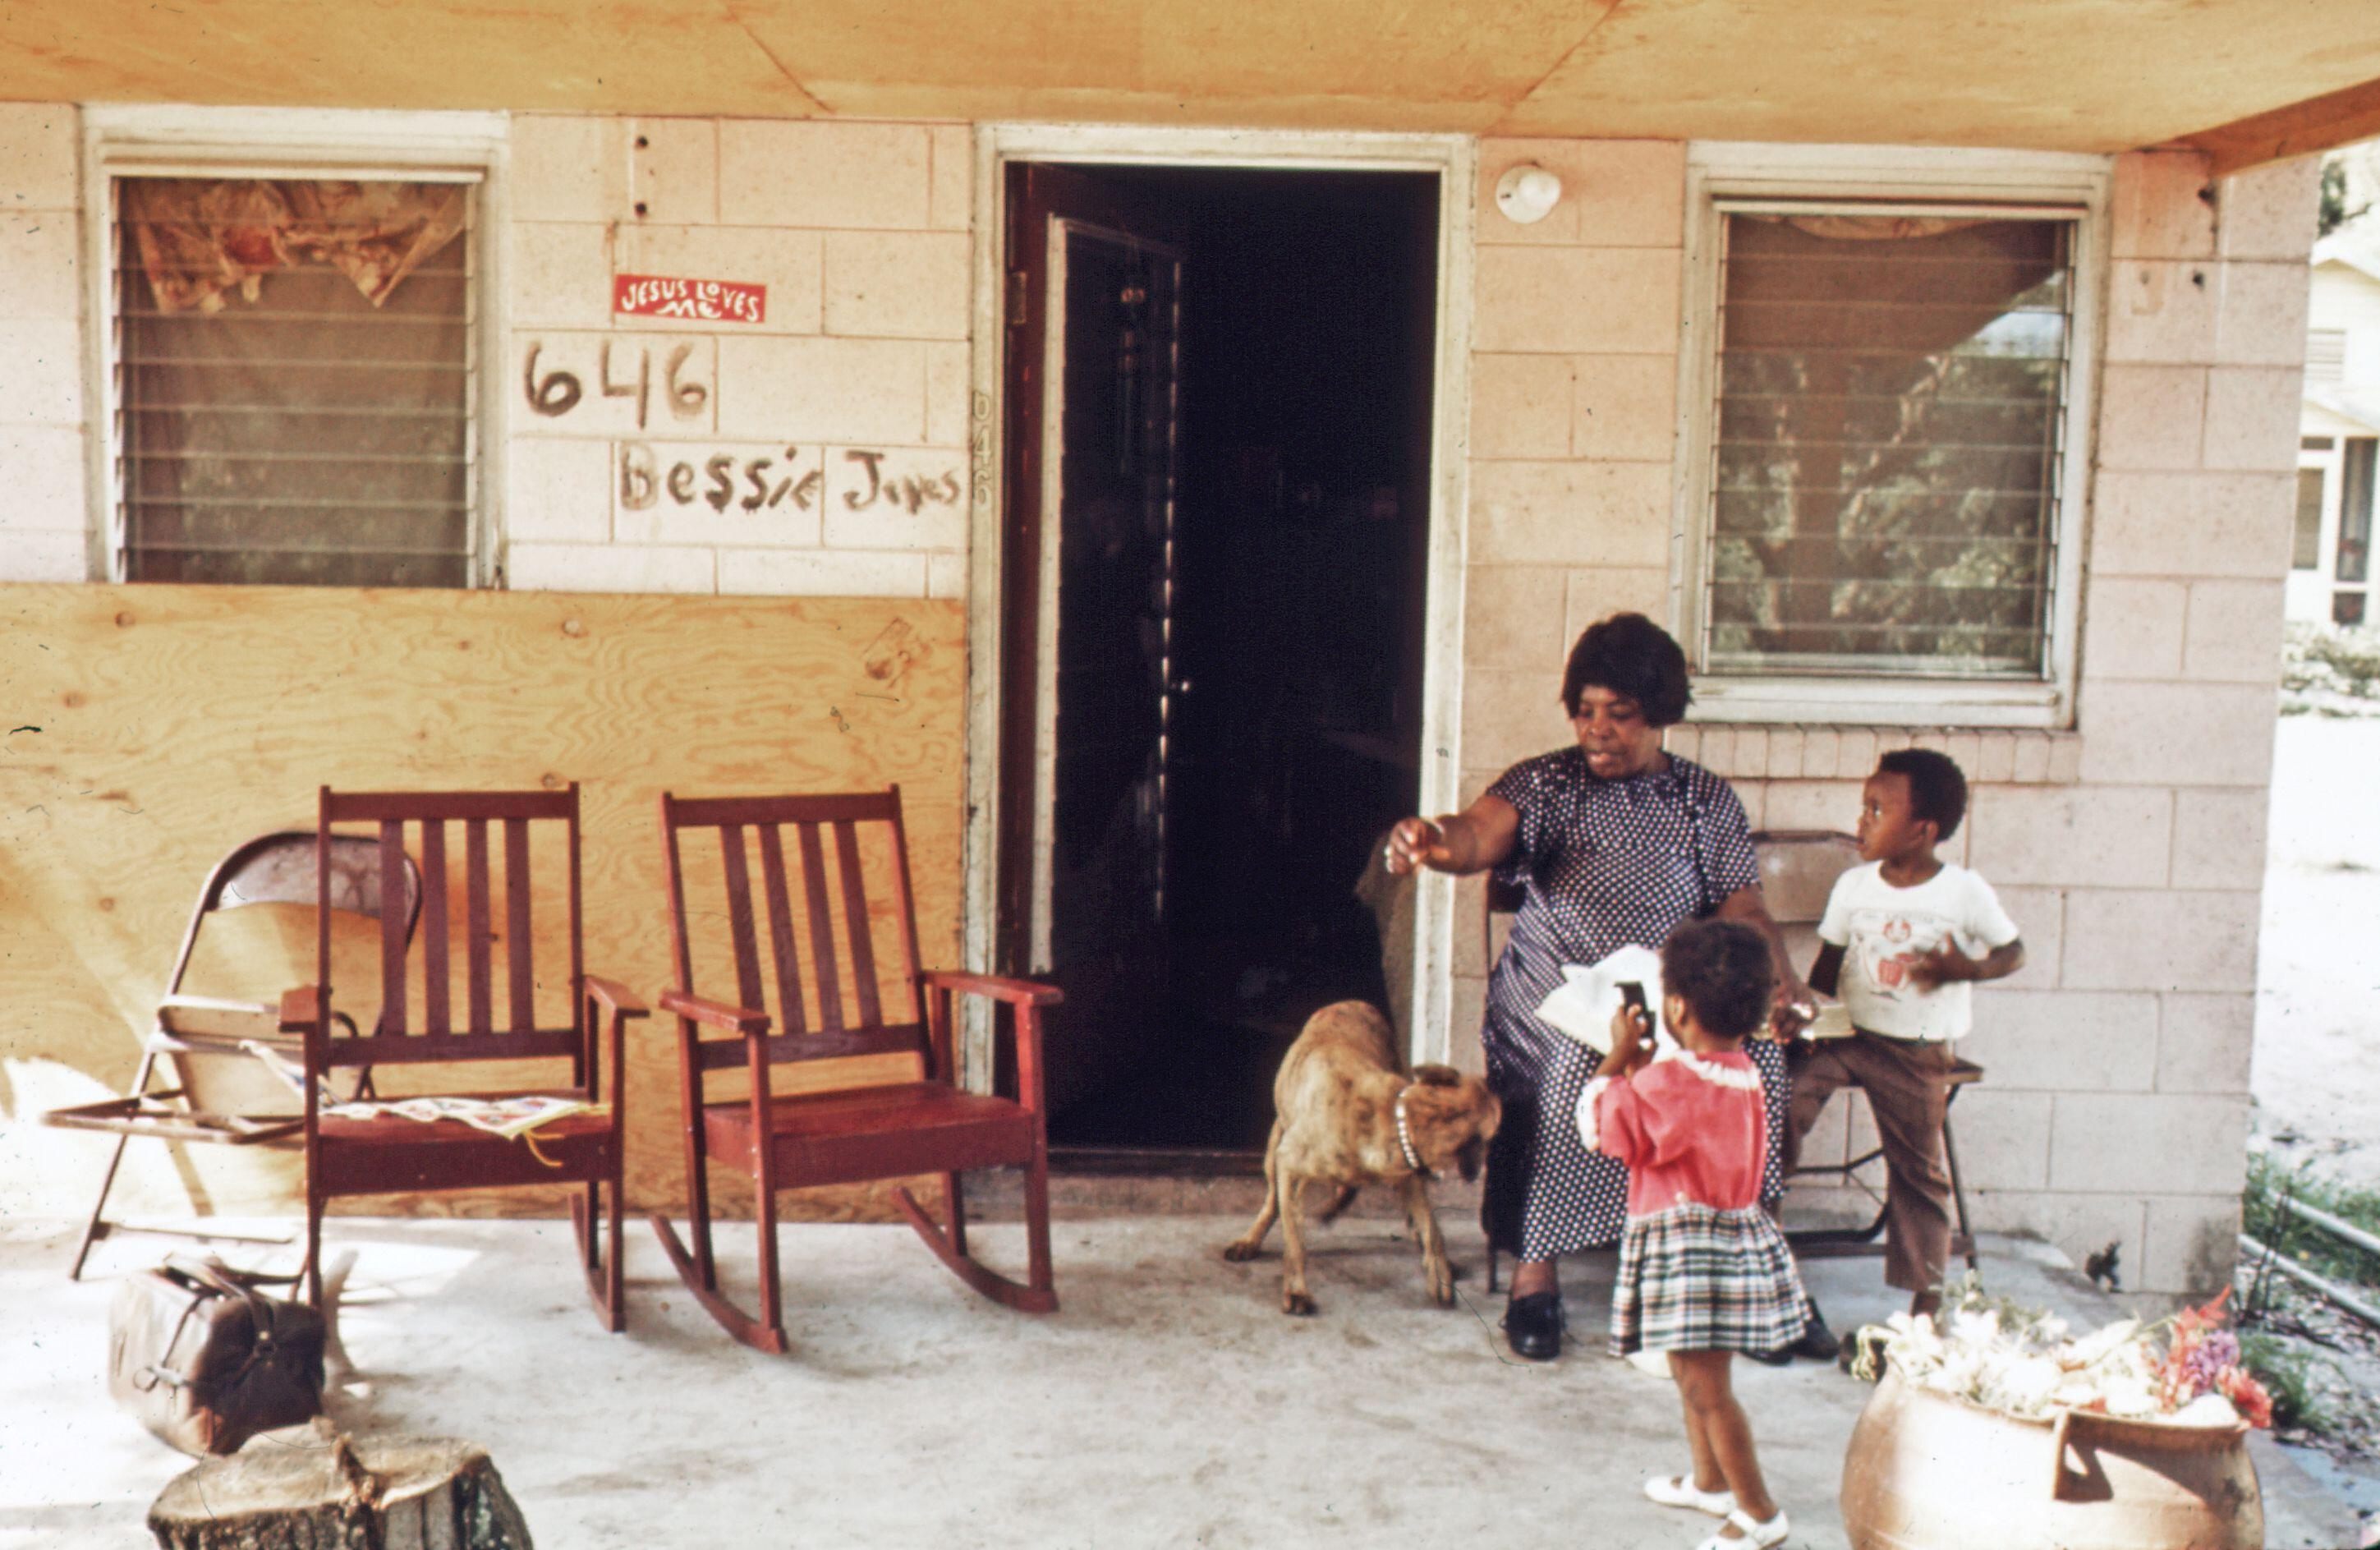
1307	339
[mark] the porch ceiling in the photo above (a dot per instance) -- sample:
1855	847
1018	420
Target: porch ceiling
2076	75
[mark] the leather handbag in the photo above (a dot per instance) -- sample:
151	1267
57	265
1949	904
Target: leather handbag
206	1362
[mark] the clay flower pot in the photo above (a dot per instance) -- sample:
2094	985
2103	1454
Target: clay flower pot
1926	1472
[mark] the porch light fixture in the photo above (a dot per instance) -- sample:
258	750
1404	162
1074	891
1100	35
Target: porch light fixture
1527	193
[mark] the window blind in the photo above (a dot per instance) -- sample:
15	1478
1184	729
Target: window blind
294	381
1889	442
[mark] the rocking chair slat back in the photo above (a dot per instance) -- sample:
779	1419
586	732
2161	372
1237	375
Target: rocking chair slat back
822	954
854	909
781	931
437	1009
400	1039
820	926
475	911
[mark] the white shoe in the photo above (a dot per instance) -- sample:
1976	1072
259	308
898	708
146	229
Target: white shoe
1677	1490
1756	1536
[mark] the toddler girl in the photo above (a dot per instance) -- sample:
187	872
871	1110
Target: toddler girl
1704	1273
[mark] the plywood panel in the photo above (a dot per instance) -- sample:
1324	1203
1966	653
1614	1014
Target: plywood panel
157	726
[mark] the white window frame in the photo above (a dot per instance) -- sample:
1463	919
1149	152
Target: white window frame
1888	179
146	140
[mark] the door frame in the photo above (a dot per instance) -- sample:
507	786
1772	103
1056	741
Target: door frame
1454	160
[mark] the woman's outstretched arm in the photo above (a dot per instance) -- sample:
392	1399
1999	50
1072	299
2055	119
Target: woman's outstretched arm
1473	840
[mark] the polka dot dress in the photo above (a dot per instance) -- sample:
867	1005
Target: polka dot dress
1603	863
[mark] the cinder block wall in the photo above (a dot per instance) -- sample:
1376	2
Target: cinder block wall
42	522
850	397
858	373
2130	849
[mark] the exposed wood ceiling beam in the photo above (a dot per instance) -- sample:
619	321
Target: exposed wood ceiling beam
2334	119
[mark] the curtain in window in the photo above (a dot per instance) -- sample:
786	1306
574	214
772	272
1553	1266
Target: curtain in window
1888	446
200	239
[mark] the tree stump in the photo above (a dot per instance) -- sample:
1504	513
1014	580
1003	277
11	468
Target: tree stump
315	1488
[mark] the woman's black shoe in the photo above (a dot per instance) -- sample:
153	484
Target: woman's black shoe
1781	1356
1817	1342
1533	1326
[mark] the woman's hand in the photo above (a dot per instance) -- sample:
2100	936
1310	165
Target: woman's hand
1796	1007
1417	842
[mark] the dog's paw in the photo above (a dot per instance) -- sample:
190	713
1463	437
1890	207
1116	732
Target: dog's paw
1441	1286
1297	1303
1241	1250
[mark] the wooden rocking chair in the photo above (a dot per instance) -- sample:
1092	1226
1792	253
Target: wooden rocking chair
221	1095
352	1153
789	1130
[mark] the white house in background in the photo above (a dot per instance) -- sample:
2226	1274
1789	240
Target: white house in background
2330	567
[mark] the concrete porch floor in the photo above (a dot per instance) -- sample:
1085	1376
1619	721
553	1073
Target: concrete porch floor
1168	1403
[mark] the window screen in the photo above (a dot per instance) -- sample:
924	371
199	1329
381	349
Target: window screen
2355	492
2305	551
1888	443
294	381
2326	357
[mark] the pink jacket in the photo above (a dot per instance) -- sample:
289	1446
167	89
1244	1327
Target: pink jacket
1690	1128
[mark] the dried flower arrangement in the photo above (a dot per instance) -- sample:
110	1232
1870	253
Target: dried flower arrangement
2184	1371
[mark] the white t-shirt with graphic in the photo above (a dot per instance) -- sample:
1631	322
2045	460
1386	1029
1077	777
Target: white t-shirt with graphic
1883	930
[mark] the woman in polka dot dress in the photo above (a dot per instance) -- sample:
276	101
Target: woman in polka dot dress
1613	842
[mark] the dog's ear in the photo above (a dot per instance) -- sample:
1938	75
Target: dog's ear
1437	1076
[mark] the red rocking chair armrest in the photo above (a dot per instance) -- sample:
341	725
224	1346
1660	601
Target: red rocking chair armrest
301	1009
616	995
714	1014
1020	992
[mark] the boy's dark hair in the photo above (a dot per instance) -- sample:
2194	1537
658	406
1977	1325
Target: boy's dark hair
1722	971
1938	789
1629	654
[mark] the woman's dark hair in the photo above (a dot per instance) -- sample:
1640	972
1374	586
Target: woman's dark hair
1629	654
1936	787
1721	968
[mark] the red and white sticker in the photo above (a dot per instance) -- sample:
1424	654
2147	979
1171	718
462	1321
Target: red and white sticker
655	296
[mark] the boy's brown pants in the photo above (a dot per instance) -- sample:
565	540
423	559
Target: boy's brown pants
1908	1088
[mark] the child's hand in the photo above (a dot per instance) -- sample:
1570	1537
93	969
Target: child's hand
1942	965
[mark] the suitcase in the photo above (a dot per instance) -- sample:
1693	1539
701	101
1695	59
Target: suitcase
206	1362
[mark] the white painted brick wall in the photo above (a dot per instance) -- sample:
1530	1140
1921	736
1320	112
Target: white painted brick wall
2129	850
756	477
44	521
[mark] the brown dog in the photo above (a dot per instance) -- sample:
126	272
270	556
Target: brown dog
1337	1107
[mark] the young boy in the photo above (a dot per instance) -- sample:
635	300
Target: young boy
1903	937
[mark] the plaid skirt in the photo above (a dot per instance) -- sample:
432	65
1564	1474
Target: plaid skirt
1696	1279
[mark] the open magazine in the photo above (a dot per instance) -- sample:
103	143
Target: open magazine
1581	1006
510	1116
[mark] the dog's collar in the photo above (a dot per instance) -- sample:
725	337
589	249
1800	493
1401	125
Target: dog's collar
1404	1139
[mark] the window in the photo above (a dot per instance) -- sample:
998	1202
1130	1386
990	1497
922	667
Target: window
1885	449
2305	553
2326	357
295	353
2355	511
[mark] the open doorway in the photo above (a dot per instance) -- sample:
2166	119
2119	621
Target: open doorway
1219	384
